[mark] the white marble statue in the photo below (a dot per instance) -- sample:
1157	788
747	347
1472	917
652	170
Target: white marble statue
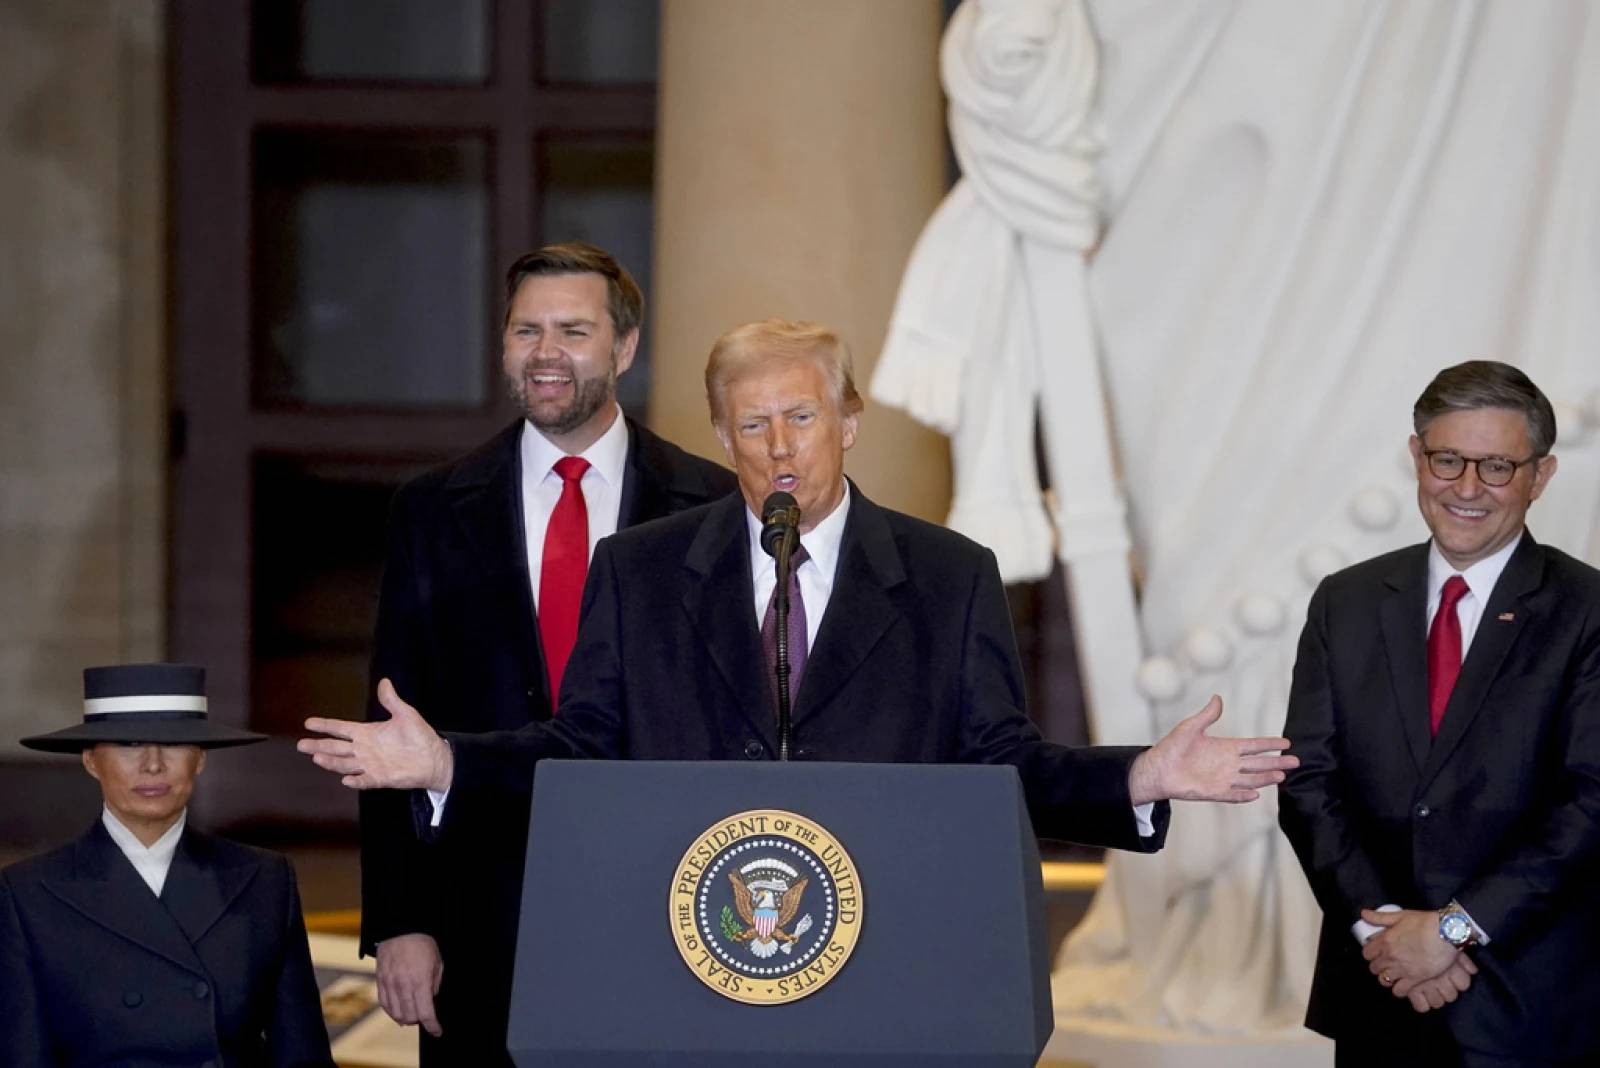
1309	209
993	319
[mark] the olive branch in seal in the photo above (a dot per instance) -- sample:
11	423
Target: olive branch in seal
730	927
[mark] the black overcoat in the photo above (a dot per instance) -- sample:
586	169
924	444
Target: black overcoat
96	970
914	661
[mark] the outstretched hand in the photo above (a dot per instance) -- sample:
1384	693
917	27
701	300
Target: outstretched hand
1190	765
401	752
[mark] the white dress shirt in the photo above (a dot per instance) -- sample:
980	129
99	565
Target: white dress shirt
1481	578
151	862
815	573
541	488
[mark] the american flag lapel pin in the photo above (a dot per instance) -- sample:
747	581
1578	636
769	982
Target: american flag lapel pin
1507	617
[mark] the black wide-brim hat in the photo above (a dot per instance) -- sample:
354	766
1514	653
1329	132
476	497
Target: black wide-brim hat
150	704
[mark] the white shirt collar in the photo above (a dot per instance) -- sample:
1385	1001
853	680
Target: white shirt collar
821	542
1481	576
151	862
607	457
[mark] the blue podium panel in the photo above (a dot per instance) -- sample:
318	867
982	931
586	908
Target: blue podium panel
949	967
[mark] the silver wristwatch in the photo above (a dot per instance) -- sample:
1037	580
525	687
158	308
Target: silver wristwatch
1456	927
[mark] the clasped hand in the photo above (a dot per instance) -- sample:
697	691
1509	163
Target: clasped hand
1410	958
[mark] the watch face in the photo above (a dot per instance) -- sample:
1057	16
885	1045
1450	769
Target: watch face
1455	929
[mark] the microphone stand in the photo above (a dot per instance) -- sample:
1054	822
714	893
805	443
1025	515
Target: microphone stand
780	605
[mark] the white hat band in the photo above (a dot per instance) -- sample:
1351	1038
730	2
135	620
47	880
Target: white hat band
103	706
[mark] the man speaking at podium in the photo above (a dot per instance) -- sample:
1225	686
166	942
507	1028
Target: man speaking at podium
901	648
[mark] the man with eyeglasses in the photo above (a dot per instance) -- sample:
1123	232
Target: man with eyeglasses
1446	713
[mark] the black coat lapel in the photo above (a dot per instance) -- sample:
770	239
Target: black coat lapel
720	600
200	886
859	608
486	502
106	890
1493	640
659	479
1405	645
645	479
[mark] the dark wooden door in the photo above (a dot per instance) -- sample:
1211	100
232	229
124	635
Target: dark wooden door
349	179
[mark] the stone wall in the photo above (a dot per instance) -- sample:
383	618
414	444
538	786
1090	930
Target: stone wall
82	363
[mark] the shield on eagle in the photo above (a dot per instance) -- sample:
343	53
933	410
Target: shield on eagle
766	894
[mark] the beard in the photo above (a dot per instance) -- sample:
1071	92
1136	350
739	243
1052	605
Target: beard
589	395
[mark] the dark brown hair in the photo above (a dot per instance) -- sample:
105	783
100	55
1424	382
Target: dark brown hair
1480	384
624	301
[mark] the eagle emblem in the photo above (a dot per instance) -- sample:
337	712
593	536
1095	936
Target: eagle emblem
766	894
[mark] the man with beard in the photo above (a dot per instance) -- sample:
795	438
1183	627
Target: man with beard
484	569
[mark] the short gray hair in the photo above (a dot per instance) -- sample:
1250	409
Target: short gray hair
1478	384
772	341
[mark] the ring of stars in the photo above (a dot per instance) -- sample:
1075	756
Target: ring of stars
709	932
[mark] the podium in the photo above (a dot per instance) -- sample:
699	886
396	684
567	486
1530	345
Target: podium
622	943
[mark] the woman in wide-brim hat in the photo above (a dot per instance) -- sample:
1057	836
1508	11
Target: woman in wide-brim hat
146	941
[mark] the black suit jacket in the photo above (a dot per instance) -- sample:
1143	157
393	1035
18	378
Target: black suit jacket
96	970
914	661
458	636
1501	811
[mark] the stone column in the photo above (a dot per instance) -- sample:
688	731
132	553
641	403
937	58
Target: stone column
799	152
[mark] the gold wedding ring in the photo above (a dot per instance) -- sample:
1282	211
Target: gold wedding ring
1385	979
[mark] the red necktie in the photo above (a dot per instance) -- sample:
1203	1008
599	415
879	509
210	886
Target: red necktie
562	570
1444	650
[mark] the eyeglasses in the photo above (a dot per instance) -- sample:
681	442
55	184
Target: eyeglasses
1492	470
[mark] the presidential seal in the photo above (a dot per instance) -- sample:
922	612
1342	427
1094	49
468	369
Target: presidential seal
765	907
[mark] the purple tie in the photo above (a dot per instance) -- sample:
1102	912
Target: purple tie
797	630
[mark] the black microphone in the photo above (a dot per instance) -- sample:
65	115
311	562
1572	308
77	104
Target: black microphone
780	533
780	519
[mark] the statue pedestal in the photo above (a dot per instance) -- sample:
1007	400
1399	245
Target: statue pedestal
1113	1044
